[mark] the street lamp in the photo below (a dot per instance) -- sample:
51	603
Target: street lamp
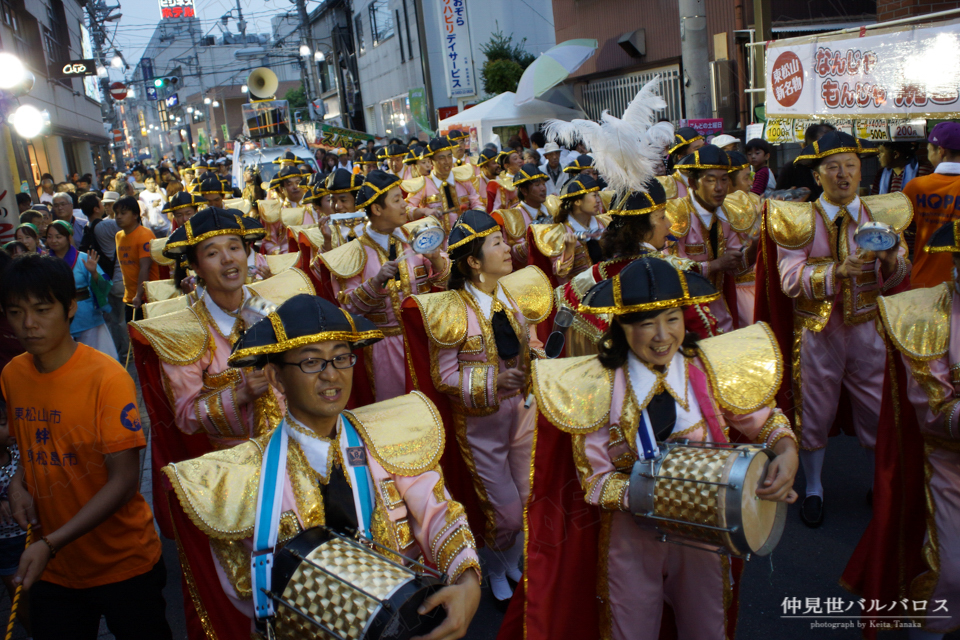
117	60
12	71
206	101
318	56
244	89
216	103
304	50
102	71
28	121
189	109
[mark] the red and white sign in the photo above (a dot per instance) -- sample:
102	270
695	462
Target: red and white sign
786	79
118	90
705	126
177	9
117	135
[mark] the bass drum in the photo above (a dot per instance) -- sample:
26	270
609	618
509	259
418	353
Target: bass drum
334	587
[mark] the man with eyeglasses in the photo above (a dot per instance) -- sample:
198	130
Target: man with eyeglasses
388	451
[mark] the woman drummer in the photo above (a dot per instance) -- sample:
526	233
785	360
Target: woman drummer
578	247
659	388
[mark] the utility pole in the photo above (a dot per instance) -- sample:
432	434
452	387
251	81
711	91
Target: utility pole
761	27
308	65
241	24
695	58
98	14
203	91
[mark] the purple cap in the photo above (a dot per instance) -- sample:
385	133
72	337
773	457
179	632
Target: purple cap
946	135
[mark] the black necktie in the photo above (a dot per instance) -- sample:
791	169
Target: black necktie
340	514
663	415
391	256
715	236
508	346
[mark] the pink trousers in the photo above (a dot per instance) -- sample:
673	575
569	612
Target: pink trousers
388	363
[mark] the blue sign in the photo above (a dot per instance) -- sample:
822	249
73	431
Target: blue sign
146	68
172	101
151	93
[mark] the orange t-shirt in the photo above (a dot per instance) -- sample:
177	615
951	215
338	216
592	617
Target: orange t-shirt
64	423
131	247
936	201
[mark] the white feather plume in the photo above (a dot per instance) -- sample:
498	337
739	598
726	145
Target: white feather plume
626	150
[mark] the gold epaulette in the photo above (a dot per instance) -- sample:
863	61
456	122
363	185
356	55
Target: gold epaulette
282	261
744	367
895	209
514	224
190	188
742	210
269	210
178	338
413	185
918	321
404	434
669	185
552	205
240	204
574	394
163	307
605	219
680	212
549	238
345	261
284	285
313	236
531	291
292	216
157	290
606	197
157	246
791	224
505	181
444	317
463	173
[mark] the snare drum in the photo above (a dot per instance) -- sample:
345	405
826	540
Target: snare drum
706	493
424	235
876	236
331	586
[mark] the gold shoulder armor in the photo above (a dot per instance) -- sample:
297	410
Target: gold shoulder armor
404	434
269	210
530	289
573	393
606	197
918	321
505	181
548	238
346	260
679	212
178	338
444	317
282	261
240	204
669	186
283	286
463	173
203	485
157	246
604	220
312	235
791	224
413	185
157	290
163	307
552	205
745	367
893	208
292	216
742	210
514	224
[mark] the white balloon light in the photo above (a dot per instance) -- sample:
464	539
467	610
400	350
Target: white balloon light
27	120
12	71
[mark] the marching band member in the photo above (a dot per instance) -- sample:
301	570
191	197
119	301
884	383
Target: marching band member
461	139
741	173
582	165
289	193
686	140
482	339
652	382
489	169
531	184
740	198
393	155
502	192
183	206
372	275
304	349
211	190
424	164
708	229
370	161
446	191
343	186
410	164
830	323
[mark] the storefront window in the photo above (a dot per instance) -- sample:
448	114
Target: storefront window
398	118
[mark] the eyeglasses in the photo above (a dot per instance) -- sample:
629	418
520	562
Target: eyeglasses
316	365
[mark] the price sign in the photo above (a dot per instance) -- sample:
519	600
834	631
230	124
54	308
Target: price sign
800	128
779	130
907	130
844	126
872	130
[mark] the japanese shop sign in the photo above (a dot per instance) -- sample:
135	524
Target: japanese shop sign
901	73
457	52
176	9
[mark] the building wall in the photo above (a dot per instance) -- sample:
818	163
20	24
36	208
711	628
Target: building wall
896	9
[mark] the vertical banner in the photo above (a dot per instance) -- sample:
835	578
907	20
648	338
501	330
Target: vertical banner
457	53
418	108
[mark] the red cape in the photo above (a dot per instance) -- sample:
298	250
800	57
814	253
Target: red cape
544	263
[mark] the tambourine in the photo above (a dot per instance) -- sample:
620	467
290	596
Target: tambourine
876	236
424	235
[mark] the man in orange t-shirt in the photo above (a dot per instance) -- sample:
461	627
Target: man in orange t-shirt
73	412
133	253
936	201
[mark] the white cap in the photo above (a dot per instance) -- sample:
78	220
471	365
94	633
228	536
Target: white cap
551	147
110	196
723	140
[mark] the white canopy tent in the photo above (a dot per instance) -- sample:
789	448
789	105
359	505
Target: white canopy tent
500	111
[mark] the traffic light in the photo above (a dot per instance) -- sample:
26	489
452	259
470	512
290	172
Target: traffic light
166	81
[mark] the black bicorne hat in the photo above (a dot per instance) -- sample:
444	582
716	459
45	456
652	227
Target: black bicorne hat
439	144
182	200
648	284
487	155
374	185
737	161
210	184
639	203
289	159
579	186
528	173
706	157
456	135
470	225
392	151
343	181
412	156
208	223
834	142
581	162
370	158
288	171
683	137
301	320
946	239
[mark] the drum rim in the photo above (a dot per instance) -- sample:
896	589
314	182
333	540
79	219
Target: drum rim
737	475
429	231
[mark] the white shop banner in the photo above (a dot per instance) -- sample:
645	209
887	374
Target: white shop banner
908	73
455	45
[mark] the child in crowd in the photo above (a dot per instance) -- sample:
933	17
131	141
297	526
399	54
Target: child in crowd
758	154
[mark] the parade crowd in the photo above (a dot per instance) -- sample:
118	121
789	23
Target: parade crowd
419	366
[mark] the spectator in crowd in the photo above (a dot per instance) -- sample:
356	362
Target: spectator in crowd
556	178
23	202
83	183
530	156
14	249
97	552
28	235
538	141
46	217
10	347
46	188
153	200
726	142
758	154
139	173
101	236
63	210
133	254
109	197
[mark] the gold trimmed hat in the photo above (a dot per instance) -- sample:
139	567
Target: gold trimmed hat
208	223
834	142
393	151
487	155
682	137
285	173
578	187
437	145
528	173
301	320
375	185
289	159
708	156
738	161
946	239
210	184
581	162
182	200
648	284
343	181
412	155
471	225
639	203
456	135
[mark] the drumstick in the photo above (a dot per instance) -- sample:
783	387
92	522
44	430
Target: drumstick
16	593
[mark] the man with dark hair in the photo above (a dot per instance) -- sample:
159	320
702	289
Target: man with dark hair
23	202
538	140
133	254
74	412
795	175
